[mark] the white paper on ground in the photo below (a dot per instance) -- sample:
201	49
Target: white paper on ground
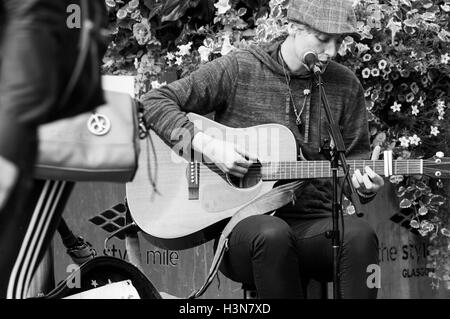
116	290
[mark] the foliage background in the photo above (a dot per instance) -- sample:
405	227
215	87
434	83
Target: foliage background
402	61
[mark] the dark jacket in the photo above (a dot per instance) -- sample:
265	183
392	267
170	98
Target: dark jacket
38	53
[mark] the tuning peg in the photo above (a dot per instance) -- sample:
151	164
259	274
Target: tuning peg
439	154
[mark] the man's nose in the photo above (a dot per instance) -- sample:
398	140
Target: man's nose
331	49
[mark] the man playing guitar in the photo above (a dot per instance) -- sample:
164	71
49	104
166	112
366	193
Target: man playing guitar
279	253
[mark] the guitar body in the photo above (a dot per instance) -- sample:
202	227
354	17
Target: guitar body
180	204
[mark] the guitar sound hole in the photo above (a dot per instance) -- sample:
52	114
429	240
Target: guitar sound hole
252	178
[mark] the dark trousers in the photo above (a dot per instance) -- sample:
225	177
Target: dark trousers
279	259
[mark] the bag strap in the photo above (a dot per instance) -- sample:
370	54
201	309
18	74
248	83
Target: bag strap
84	44
267	202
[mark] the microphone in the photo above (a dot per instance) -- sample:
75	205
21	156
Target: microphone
311	60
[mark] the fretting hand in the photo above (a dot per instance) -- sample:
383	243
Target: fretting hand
369	182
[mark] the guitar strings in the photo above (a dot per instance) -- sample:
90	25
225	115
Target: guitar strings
208	174
317	171
284	168
315	168
295	168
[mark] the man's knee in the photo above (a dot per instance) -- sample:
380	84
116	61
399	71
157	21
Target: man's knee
274	232
360	237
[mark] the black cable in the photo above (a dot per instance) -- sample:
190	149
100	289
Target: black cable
341	240
68	238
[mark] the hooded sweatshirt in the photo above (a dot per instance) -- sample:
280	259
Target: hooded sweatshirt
248	87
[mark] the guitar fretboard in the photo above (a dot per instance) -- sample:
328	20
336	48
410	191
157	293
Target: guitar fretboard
322	169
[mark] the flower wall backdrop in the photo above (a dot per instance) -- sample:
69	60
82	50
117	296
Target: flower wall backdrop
402	61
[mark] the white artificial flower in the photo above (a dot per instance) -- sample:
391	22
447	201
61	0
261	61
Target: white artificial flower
226	46
222	6
362	47
179	60
441	109
396	107
441	103
170	56
420	101
445	58
434	130
377	47
156	84
184	49
365	73
382	64
414	140
204	53
415	109
367	57
404	141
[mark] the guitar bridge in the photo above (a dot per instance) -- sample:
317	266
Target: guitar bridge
193	177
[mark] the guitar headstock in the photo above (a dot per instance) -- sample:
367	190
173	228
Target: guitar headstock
437	166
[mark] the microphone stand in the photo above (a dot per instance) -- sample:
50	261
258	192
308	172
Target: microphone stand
337	154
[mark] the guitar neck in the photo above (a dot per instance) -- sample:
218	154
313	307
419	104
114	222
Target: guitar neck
322	169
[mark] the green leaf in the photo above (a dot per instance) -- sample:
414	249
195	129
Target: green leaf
421	185
174	10
241	12
401	191
155	8
427	4
437	200
417	194
428	16
423	210
414	223
410	23
249	33
406	2
110	3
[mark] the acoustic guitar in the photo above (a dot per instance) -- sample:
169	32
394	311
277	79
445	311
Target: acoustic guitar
180	202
